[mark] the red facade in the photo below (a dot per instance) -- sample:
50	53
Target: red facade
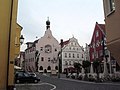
96	45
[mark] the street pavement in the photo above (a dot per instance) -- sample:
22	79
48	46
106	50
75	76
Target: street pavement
49	82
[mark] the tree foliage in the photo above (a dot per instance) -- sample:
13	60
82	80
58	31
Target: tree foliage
96	62
77	65
86	64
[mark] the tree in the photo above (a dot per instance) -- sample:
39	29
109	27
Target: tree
77	66
96	65
86	65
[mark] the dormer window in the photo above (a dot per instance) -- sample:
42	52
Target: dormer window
97	33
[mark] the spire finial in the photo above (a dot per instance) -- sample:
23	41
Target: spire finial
48	23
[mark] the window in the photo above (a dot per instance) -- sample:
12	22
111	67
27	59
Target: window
26	75
20	74
96	54
66	63
56	67
77	55
75	44
65	54
48	59
109	6
48	68
71	43
69	62
73	55
97	33
77	48
41	48
41	68
101	52
82	55
55	50
112	5
42	58
93	55
73	48
69	55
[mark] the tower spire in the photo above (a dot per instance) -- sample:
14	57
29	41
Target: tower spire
47	23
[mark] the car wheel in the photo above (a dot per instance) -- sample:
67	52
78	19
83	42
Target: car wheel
18	81
35	81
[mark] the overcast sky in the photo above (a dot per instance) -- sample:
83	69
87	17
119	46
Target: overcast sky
68	18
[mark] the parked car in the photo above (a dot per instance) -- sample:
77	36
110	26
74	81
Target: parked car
23	77
33	74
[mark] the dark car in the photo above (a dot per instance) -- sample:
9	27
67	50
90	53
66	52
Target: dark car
33	74
23	77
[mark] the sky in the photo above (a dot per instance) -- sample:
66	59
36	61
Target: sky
68	18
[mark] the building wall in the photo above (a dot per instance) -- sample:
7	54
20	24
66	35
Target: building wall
12	44
72	52
5	9
48	48
96	46
22	59
30	59
112	20
86	52
17	40
4	36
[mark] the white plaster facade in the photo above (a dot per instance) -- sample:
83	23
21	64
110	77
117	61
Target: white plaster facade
30	60
87	50
48	48
71	52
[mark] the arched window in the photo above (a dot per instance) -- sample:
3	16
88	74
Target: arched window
49	68
56	67
41	68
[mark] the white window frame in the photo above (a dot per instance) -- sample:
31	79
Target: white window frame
109	7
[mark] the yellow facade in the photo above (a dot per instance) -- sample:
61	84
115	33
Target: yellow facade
8	16
17	40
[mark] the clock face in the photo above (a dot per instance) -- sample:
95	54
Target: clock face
48	49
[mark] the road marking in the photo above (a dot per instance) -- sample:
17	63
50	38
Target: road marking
54	87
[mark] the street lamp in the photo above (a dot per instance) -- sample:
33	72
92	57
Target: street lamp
60	59
105	56
21	39
37	54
